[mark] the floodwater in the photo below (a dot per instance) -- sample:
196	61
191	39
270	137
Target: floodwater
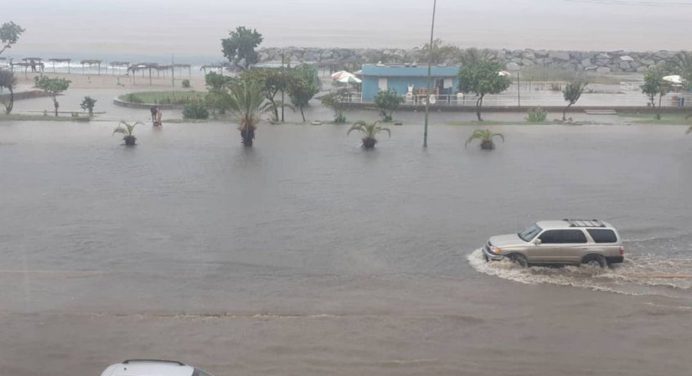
308	256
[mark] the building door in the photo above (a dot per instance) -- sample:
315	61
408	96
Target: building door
382	84
439	85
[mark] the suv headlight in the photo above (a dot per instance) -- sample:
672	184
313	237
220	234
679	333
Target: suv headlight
496	250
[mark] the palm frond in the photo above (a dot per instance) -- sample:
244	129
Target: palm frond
126	128
502	137
357	126
384	129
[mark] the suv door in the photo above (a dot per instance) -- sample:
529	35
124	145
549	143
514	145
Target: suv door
561	246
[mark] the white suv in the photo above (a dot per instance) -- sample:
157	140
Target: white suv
151	367
564	242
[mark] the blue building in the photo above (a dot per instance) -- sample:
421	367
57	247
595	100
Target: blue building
408	81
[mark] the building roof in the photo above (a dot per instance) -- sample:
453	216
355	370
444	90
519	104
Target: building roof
409	71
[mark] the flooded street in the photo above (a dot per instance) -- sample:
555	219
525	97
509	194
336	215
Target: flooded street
308	256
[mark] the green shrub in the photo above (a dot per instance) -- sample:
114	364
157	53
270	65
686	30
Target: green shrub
133	98
186	84
537	115
195	110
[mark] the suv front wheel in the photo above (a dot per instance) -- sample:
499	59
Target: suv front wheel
519	259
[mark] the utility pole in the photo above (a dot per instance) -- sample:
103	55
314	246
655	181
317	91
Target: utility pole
283	78
519	88
430	56
173	71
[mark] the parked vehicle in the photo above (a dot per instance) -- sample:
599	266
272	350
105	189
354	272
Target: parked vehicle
562	242
152	367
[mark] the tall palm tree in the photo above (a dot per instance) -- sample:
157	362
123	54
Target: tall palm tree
8	81
681	64
474	56
369	132
486	136
246	102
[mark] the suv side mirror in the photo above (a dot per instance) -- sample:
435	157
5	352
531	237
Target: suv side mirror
537	241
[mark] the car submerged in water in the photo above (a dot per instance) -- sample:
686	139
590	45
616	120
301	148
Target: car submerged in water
560	242
152	367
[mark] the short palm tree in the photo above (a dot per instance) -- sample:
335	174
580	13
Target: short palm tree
369	132
486	136
246	102
127	130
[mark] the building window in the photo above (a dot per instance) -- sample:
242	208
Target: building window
382	84
448	83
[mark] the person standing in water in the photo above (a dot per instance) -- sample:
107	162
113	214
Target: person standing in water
159	115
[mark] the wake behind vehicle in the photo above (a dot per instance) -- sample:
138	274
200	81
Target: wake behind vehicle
151	367
560	242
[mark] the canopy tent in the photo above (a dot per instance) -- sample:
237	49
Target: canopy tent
345	77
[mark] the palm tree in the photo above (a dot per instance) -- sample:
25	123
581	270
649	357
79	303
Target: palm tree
486	136
369	132
246	102
8	81
127	129
682	65
474	56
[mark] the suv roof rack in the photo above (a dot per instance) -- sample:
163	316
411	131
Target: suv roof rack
584	222
128	361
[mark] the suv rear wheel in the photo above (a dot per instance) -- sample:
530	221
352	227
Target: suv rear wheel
596	261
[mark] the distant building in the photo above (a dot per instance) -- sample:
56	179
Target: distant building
404	79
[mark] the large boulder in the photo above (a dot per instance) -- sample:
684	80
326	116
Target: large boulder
512	66
559	55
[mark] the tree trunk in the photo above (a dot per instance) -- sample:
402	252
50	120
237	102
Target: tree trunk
275	109
658	111
564	112
9	106
302	113
479	103
55	105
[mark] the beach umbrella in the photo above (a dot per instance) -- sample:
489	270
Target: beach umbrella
674	79
349	79
341	74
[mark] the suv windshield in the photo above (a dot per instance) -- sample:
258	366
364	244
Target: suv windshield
530	233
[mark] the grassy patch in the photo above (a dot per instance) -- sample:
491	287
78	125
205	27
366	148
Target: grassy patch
650	118
477	123
164	97
544	74
21	117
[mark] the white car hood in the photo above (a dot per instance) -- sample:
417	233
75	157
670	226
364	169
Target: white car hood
507	240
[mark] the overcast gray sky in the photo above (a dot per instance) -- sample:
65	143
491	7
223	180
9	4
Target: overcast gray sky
194	27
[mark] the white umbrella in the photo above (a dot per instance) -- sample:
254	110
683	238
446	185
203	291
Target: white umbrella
346	79
674	79
341	74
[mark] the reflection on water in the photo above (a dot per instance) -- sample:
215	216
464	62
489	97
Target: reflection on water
124	250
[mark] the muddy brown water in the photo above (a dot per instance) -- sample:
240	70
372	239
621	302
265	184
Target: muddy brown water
308	256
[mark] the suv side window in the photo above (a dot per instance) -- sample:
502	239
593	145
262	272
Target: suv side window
603	235
563	237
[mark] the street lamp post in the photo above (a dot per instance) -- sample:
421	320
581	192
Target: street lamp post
430	56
